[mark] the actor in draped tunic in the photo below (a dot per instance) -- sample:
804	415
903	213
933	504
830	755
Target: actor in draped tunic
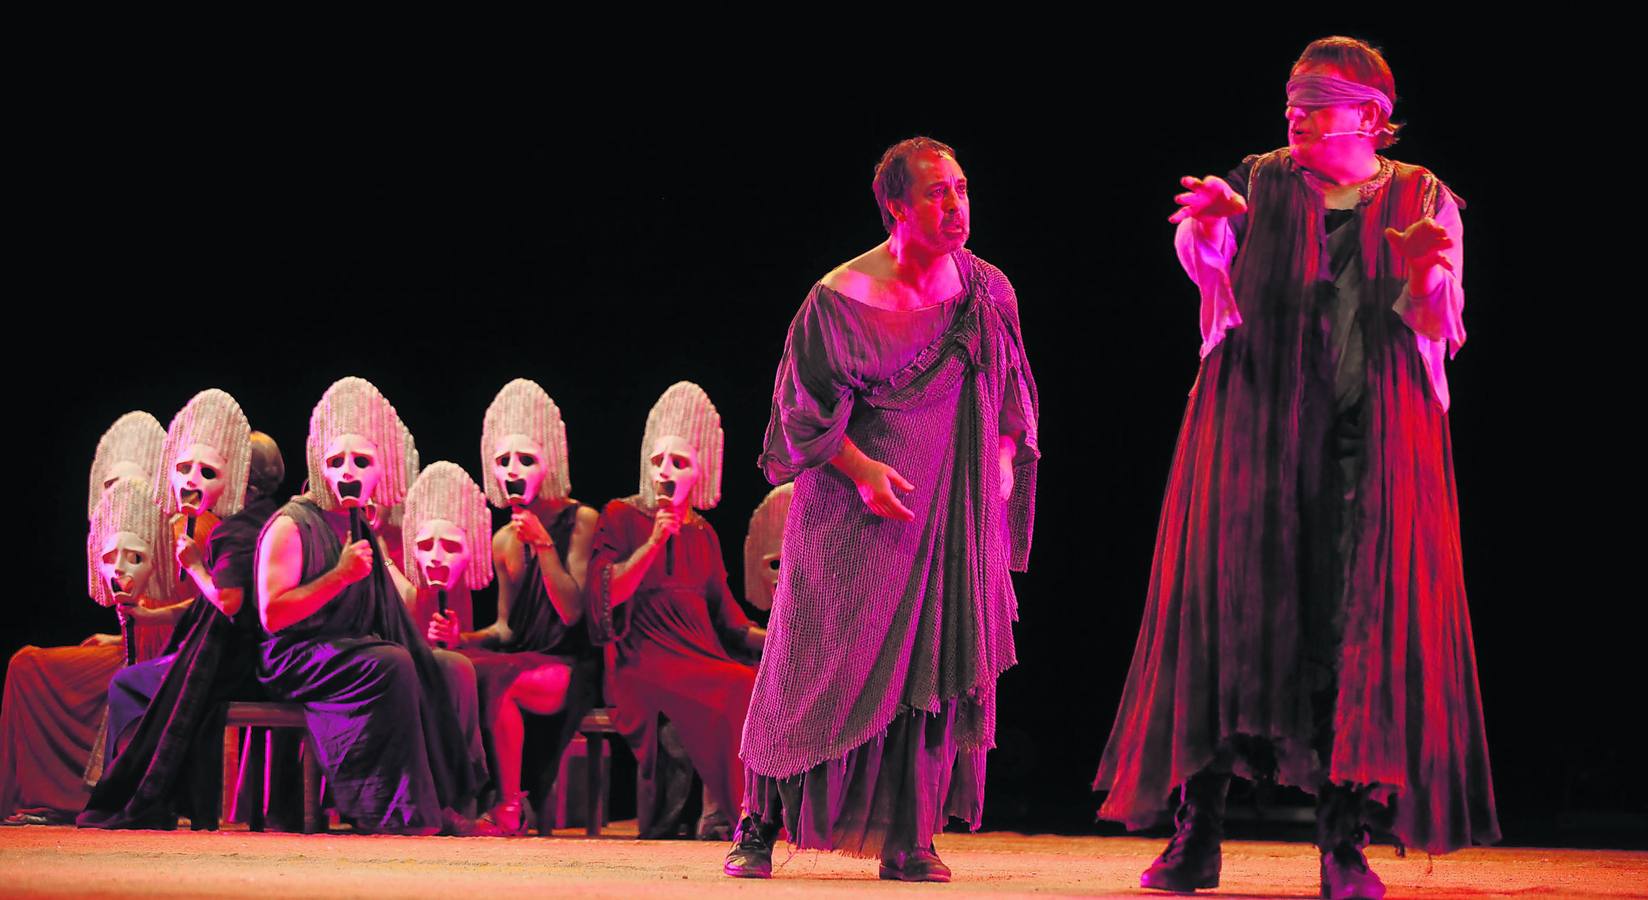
905	412
341	641
1306	616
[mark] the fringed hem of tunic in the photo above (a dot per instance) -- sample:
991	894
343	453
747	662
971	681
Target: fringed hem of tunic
896	790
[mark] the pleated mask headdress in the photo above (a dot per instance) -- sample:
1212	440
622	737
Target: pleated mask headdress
764	545
445	491
685	411
354	406
211	418
409	451
129	449
524	408
128	505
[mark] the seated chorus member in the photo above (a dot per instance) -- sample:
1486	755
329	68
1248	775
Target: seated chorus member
211	660
340	639
533	658
204	466
54	697
658	593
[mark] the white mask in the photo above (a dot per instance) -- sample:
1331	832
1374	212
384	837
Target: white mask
198	478
518	466
674	471
442	553
125	566
352	470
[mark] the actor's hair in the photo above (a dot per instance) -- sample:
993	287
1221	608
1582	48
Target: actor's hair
214	419
268	469
522	407
1362	63
445	491
135	440
686	412
892	173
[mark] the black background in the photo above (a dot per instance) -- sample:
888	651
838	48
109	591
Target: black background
656	212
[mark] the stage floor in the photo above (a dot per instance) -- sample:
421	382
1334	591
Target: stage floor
59	861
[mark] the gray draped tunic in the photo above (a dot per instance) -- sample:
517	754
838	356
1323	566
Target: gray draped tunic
872	616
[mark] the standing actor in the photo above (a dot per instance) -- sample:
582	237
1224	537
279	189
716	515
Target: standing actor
905	412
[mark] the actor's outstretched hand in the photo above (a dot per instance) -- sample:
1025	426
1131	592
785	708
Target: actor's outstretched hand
1422	244
1207	199
443	630
355	562
876	484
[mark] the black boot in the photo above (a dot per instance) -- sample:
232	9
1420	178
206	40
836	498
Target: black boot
1341	834
752	849
1192	858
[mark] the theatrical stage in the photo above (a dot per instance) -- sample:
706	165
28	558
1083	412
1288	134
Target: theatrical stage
63	862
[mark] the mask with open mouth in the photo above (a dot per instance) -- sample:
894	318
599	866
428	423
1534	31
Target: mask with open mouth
518	467
681	450
127	531
352	469
207	457
442	553
198	479
523	447
447	530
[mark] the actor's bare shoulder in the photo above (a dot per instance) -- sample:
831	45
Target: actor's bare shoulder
863	277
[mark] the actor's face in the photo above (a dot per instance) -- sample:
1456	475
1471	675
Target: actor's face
518	465
674	470
442	553
125	566
197	478
1316	131
936	212
123	469
353	470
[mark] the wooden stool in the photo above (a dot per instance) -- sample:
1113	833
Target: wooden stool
593	727
249	714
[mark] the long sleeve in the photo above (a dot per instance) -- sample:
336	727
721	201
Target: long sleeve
1437	319
812	399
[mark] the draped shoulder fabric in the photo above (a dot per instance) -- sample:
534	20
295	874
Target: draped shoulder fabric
1272	536
874	616
374	696
210	660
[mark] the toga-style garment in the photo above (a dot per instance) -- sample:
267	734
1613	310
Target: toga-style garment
876	698
1306	613
374	697
536	637
667	646
51	720
173	699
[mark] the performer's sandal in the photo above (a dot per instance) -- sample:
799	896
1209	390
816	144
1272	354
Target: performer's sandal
507	819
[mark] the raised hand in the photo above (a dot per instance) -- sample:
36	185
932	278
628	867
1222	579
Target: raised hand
1421	244
355	562
443	630
665	524
1206	200
188	553
529	529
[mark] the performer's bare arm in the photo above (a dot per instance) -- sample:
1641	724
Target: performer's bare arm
876	481
282	599
563	583
1009	449
189	559
627	575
